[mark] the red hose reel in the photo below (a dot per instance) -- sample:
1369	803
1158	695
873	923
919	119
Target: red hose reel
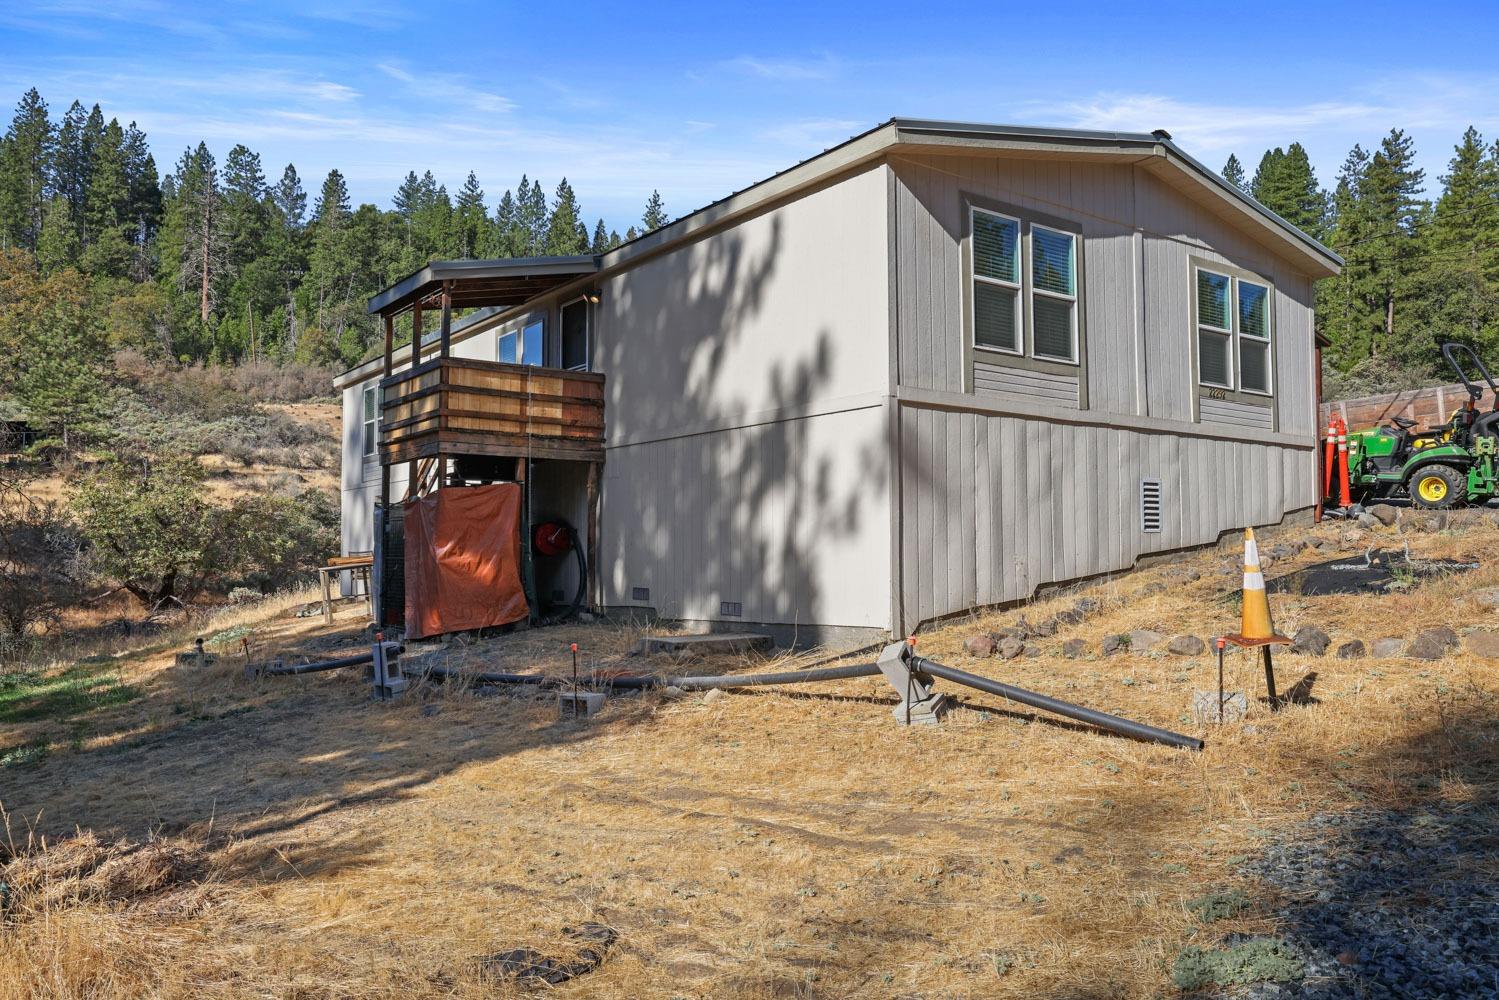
552	538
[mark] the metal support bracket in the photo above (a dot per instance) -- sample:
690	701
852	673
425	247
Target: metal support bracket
389	681
920	705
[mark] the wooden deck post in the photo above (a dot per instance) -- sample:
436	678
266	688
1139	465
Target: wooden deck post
416	334
594	599
447	318
390	339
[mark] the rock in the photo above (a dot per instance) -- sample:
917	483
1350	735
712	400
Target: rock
1186	645
1384	513
1265	563
1204	706
1151	589
1074	649
979	645
1310	640
1387	647
1045	628
1010	648
1353	649
1191	576
1352	537
1085	606
713	696
1483	643
1070	617
673	692
1426	647
1442	635
1113	644
1143	640
430	710
1367	520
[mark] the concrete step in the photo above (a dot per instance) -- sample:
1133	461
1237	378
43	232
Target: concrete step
709	644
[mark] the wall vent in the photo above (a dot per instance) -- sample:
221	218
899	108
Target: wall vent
640	594
731	609
1150	506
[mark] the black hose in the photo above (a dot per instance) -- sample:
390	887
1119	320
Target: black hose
1102	720
312	668
582	590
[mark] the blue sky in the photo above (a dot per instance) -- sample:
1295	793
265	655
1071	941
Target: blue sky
699	100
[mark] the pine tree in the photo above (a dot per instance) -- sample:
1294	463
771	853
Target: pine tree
1392	189
246	208
70	161
1286	184
332	208
1341	302
106	210
614	239
654	216
57	246
290	199
600	242
632	234
145	195
25	171
407	203
1233	172
531	218
471	219
504	240
566	234
1459	297
198	231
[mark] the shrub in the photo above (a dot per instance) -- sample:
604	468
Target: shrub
39	567
1251	961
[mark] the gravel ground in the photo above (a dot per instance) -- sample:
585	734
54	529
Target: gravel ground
1387	903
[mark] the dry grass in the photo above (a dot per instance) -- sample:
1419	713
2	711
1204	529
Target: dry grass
794	844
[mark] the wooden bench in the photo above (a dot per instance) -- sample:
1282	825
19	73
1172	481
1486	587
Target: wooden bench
357	565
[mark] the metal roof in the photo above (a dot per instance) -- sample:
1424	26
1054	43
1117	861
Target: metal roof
509	281
913	129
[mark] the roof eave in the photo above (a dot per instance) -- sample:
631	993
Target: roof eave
393	298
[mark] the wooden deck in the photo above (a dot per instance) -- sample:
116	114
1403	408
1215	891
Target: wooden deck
456	406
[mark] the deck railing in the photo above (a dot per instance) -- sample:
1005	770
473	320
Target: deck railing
458	406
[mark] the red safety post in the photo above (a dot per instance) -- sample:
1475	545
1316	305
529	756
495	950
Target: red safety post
1329	456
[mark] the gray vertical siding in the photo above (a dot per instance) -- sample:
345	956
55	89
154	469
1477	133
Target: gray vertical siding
995	503
995	506
747	436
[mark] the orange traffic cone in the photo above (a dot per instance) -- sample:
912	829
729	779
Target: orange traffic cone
1255	628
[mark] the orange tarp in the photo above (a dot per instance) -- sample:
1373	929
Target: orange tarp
463	560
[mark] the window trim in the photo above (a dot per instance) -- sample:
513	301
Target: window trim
517	329
369	433
1074	299
1235	393
587	335
1018	287
1025	359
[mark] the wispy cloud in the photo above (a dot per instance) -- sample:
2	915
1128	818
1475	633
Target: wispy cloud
822	67
811	135
448	89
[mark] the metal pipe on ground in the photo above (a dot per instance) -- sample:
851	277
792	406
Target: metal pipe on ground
635	682
287	669
1112	723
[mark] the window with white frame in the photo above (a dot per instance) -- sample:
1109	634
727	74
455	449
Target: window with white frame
522	347
1233	333
1025	287
371	417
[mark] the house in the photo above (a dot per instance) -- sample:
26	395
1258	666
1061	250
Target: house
933	368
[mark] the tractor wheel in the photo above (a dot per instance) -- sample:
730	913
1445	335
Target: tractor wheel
1438	487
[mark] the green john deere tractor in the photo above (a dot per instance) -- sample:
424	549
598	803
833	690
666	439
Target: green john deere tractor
1448	466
